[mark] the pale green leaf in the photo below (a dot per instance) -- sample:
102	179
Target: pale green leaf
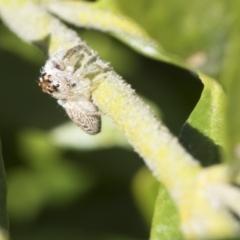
166	221
203	133
104	17
145	190
196	31
230	77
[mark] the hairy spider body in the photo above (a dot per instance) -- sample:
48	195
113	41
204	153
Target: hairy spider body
69	76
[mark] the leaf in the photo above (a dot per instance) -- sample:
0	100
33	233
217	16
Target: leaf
166	222
145	189
3	235
69	135
230	77
193	30
101	16
48	179
203	133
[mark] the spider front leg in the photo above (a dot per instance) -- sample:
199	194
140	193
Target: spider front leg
101	73
94	73
75	57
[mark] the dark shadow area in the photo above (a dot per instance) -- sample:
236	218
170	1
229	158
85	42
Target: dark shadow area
235	215
106	211
200	146
175	90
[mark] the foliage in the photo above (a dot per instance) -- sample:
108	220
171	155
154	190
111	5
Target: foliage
164	49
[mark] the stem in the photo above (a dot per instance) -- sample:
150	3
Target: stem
161	151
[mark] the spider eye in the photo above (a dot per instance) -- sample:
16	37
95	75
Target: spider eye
56	86
43	75
57	66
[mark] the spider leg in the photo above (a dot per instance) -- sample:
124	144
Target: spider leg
75	57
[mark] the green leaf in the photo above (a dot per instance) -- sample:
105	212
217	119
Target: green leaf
145	189
104	16
68	135
193	35
3	235
48	179
230	77
166	222
203	133
3	195
196	30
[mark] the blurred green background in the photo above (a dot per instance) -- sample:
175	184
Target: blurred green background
63	184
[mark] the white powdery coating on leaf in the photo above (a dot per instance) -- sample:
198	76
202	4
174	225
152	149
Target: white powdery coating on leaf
32	23
84	14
